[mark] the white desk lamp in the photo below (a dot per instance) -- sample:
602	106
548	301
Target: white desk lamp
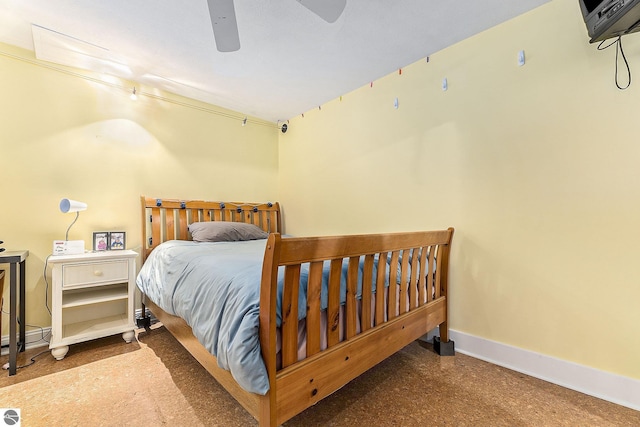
66	246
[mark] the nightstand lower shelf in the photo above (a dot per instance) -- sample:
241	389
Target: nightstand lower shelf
104	326
91	329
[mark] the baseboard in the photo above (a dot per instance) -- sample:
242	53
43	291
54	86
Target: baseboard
33	338
603	385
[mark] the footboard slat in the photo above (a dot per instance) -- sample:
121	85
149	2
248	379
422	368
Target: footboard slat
313	308
413	286
430	287
422	290
380	288
404	287
333	308
351	302
438	268
290	315
392	308
367	283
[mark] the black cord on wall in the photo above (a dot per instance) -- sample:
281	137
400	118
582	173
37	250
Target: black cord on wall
618	43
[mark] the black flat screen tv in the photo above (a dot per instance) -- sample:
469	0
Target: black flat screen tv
607	19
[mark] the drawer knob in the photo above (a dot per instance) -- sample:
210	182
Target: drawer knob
97	273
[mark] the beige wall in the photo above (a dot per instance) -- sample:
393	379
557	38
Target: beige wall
62	134
537	168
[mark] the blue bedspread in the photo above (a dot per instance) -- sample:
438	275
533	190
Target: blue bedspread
215	288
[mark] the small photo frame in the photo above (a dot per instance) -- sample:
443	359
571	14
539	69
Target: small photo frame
100	241
117	240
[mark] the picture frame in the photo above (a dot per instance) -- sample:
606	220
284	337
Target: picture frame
100	241
117	240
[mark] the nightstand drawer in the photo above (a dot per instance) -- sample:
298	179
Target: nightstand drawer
92	273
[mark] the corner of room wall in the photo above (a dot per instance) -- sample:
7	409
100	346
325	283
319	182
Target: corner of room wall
533	165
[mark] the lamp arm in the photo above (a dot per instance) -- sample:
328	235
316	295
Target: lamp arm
66	236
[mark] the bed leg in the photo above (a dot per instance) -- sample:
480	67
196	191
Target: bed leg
442	344
144	321
443	348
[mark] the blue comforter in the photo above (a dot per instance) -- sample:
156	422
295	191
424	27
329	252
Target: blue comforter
215	288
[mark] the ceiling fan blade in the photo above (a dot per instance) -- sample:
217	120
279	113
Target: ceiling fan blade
329	10
225	26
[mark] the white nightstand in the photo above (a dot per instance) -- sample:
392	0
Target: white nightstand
92	297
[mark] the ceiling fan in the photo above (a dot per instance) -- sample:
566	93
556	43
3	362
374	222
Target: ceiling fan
225	26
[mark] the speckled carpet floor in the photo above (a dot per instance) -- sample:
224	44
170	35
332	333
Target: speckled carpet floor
155	382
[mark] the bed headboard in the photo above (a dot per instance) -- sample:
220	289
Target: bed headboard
169	219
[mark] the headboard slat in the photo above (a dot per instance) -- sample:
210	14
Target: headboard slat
183	225
156	223
170	224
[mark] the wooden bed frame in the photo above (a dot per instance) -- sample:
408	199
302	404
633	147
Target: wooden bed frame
296	385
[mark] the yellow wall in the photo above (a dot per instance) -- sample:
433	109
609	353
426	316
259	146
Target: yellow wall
537	168
62	134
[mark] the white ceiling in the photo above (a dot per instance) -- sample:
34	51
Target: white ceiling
290	60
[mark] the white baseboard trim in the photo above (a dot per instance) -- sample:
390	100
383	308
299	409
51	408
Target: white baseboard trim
603	385
33	339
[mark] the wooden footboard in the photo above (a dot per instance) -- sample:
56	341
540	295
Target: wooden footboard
413	304
392	291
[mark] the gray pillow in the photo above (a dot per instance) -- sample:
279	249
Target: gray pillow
224	231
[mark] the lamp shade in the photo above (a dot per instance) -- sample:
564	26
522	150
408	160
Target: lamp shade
67	205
